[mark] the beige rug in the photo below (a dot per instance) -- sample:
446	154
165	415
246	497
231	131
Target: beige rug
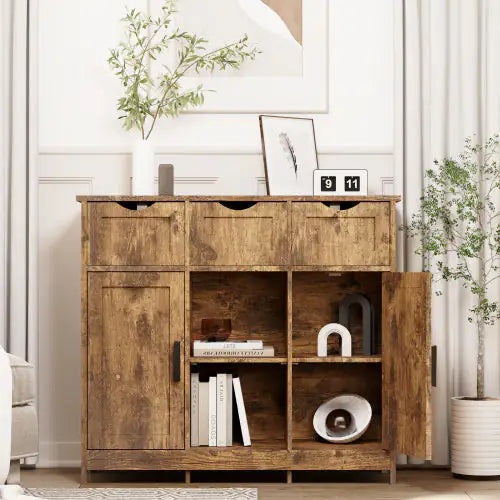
144	493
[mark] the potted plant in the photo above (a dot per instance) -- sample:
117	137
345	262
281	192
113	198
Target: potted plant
149	96
458	226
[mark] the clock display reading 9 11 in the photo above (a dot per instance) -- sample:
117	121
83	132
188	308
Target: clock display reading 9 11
352	183
340	182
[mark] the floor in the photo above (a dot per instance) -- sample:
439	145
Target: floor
417	484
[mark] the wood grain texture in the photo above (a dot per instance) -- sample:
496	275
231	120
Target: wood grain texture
289	376
187	338
313	384
406	355
134	319
338	359
85	259
393	233
323	235
153	236
266	198
257	235
249	458
316	298
255	303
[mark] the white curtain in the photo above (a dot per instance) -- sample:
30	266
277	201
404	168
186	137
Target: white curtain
452	90
14	177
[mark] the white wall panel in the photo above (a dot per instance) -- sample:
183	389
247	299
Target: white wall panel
82	149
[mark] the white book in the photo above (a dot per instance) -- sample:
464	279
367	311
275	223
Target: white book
266	352
229	409
212	411
238	395
203	414
221	409
195	380
249	344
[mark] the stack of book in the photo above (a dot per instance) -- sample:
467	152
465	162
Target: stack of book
212	410
247	349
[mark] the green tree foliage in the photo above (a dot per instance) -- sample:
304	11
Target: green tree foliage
146	97
459	231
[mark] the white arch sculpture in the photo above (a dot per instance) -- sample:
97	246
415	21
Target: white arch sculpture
345	337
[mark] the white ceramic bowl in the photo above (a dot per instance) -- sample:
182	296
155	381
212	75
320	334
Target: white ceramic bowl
359	411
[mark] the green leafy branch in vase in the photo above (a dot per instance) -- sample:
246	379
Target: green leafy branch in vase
148	97
458	229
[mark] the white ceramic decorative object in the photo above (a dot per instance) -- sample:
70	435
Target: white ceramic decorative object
326	331
353	416
143	169
475	437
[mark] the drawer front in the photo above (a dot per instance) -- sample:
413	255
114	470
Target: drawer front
122	235
237	234
326	236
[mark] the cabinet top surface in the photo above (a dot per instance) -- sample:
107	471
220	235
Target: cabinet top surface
236	198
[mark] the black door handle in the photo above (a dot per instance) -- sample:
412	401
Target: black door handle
177	361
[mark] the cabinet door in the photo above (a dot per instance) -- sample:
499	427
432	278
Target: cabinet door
133	400
406	362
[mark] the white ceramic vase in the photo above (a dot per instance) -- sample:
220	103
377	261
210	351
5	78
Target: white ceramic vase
143	173
475	437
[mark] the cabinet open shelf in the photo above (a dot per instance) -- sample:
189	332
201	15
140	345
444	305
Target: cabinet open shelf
228	360
313	384
264	395
255	302
338	359
316	297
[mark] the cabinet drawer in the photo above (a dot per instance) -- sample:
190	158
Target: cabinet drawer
123	235
238	233
326	236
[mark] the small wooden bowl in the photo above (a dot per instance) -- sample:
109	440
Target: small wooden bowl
215	329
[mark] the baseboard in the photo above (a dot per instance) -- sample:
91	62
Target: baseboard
59	454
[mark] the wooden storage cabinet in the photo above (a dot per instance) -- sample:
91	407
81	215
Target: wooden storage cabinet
279	268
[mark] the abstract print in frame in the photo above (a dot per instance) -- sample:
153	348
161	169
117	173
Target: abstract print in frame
290	154
291	73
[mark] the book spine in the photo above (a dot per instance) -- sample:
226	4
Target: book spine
212	411
203	414
254	344
238	394
244	353
195	377
229	409
221	409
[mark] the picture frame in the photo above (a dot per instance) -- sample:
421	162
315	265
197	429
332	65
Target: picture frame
306	92
290	154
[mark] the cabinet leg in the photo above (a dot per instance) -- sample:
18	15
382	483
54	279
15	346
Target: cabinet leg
392	474
188	476
289	477
85	476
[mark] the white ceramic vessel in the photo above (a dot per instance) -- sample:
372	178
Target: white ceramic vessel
359	413
143	169
475	437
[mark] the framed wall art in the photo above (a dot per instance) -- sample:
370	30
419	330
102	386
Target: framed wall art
290	75
290	154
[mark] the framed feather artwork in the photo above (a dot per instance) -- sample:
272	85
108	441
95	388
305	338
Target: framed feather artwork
290	155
